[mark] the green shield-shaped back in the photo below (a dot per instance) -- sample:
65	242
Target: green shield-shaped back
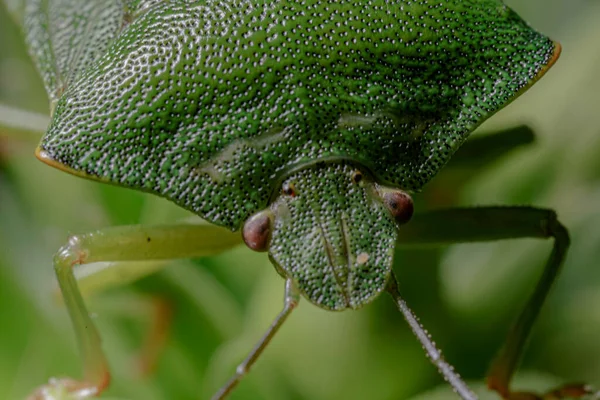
211	103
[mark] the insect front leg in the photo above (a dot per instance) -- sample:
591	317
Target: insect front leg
125	248
290	301
496	223
434	354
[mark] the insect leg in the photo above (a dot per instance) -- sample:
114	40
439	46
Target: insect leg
481	149
496	223
470	159
435	355
155	311
22	124
291	299
119	246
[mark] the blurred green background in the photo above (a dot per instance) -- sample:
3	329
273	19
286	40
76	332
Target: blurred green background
465	295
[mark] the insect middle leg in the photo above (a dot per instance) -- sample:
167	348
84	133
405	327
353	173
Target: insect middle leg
125	248
496	223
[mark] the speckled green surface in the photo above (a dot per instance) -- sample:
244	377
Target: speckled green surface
210	104
334	236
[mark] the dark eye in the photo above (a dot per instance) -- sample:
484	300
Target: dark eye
400	205
357	176
257	231
289	189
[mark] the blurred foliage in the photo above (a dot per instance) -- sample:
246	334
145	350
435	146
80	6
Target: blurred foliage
466	295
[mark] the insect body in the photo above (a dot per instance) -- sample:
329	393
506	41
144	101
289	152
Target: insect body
304	124
211	104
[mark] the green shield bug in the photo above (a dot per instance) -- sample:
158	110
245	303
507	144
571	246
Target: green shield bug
305	125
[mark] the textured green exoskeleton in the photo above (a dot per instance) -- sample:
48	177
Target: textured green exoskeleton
305	124
211	104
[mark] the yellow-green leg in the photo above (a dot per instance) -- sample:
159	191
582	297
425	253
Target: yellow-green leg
496	223
123	248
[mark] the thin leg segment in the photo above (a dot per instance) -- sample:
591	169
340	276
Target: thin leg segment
22	124
496	223
480	150
129	243
291	299
435	355
161	318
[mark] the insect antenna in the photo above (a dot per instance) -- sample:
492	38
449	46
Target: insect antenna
434	354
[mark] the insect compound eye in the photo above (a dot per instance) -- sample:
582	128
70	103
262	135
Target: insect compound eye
289	189
257	231
357	177
400	205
